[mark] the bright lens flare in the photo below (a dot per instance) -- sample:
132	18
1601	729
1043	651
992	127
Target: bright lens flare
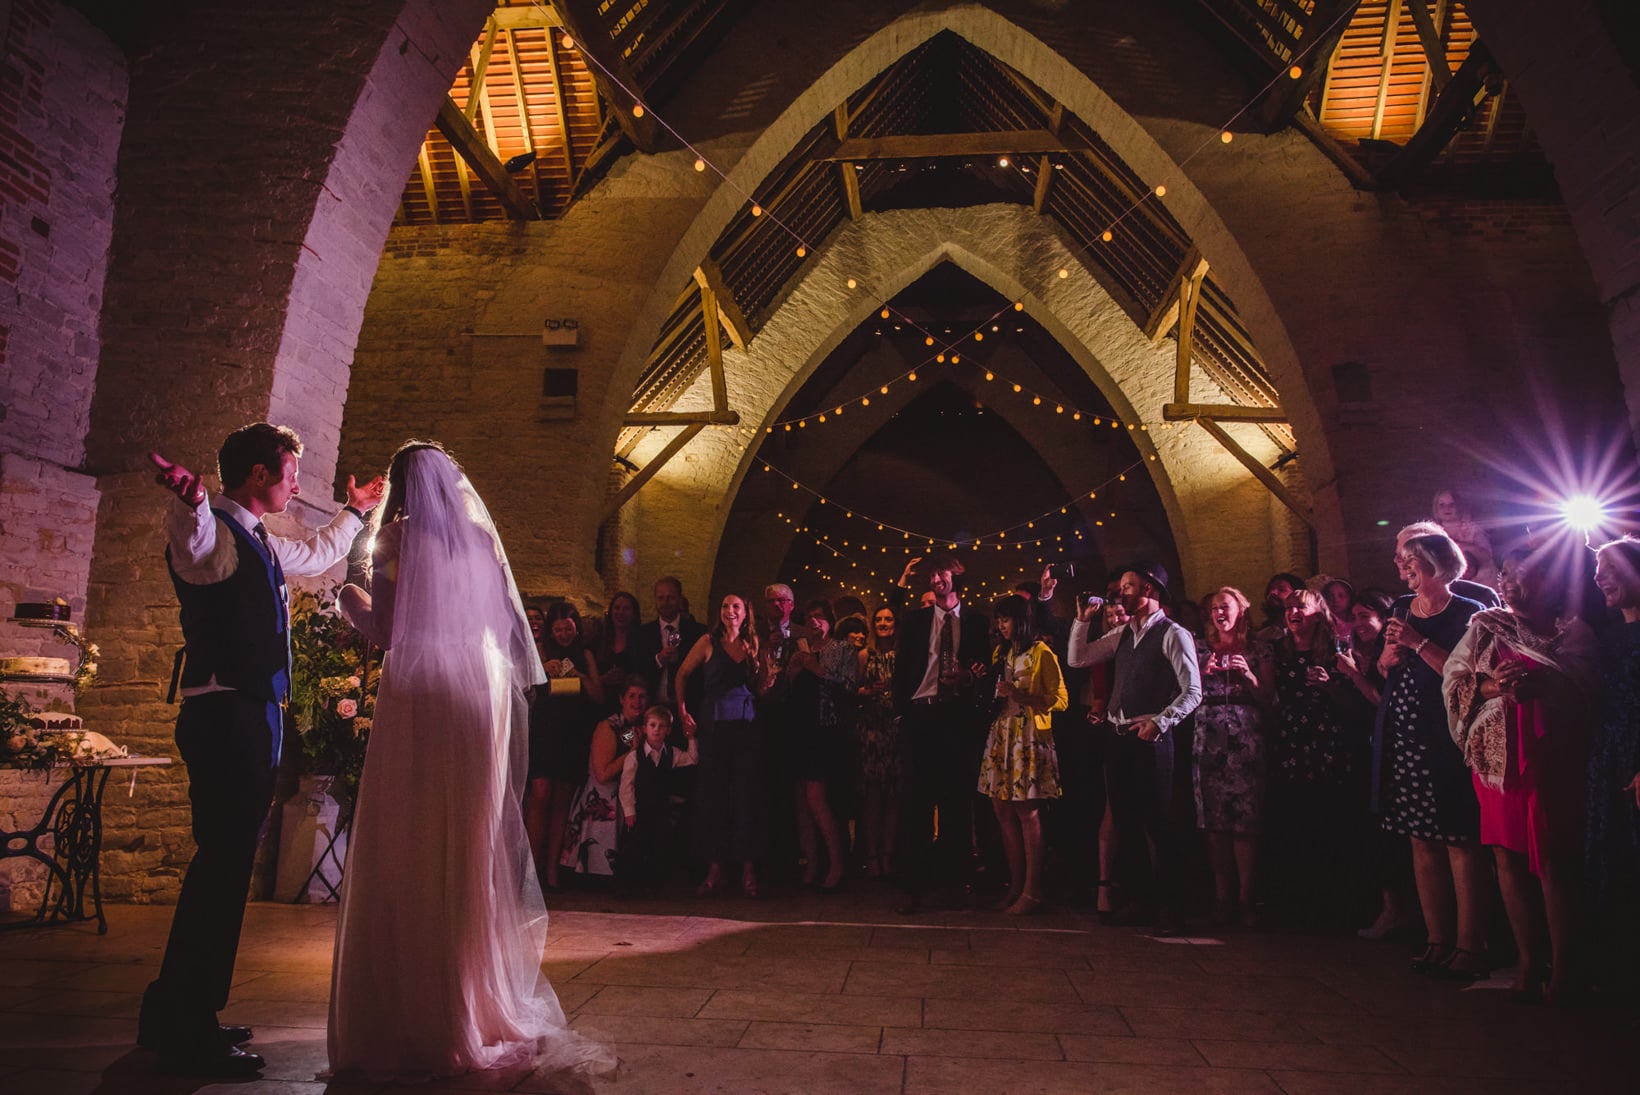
1583	512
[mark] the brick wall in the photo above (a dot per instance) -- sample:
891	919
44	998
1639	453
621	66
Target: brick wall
56	219
263	159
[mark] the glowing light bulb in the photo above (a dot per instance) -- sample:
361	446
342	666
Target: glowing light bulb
940	358
1036	401
700	165
567	42
1295	72
1161	191
1002	161
1064	273
1019	305
1017	388
1107	235
865	401
989	375
979	336
911	376
637	110
1226	136
1582	512
884	313
757	210
929	341
883	389
852	284
802	251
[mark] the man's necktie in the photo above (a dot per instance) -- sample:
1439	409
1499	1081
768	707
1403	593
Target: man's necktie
948	655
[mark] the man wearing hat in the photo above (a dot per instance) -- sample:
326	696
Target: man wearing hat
1156	686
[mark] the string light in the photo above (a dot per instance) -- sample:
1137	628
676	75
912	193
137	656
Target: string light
700	165
637	110
852	284
757	210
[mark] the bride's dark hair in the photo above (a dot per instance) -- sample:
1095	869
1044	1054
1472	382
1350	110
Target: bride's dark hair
392	506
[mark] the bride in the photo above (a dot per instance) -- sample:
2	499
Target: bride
442	924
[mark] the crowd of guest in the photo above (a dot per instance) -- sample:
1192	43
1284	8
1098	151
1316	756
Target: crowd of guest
1333	759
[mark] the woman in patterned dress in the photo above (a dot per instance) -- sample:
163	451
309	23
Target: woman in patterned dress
1425	792
1316	813
591	839
1228	747
1517	691
1020	769
879	747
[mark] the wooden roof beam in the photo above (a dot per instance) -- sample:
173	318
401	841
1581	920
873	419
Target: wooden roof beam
1008	142
610	72
1469	87
1224	412
1440	71
1331	18
1264	475
471	147
1166	313
710	279
528	17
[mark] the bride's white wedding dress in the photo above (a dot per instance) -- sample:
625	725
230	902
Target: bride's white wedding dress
442	923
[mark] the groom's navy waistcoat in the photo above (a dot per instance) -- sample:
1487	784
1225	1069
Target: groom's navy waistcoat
237	630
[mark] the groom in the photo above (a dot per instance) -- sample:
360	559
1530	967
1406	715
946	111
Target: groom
234	673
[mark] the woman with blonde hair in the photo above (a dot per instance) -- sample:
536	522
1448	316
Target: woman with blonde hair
1229	746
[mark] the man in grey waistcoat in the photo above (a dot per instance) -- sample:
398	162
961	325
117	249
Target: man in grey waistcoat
1155	686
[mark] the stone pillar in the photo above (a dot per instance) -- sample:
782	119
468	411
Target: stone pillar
263	159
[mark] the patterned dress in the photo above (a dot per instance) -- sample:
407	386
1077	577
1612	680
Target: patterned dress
590	836
1020	762
1229	750
1311	743
876	735
1426	792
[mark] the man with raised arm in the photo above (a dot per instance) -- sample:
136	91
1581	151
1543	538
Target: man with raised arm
234	676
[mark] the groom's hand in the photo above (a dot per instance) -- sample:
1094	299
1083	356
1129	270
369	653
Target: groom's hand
364	498
178	480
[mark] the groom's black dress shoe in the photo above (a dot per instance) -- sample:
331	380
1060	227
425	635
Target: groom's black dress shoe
148	1038
222	1062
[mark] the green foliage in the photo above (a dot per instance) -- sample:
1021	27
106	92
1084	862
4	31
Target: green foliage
334	676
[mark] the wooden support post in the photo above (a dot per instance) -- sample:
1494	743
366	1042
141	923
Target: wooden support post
563	117
713	327
647	472
524	122
851	189
424	162
1010	142
609	71
1044	183
709	276
471	148
480	70
1386	50
1189	295
1166	312
1440	72
1223	412
1260	472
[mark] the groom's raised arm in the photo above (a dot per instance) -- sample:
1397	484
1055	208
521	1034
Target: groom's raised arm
328	546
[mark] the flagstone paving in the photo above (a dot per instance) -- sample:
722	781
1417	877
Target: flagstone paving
809	994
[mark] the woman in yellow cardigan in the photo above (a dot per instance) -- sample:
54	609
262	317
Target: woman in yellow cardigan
1020	769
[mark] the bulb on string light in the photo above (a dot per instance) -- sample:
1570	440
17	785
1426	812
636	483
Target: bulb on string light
940	358
852	284
989	375
911	376
884	313
757	210
1002	161
883	389
1017	388
802	423
1019	305
956	359
802	251
1076	416
637	110
700	165
822	418
788	427
1226	136
1107	235
1064	273
567	42
865	401
929	341
1161	191
1059	408
1295	72
1036	401
979	336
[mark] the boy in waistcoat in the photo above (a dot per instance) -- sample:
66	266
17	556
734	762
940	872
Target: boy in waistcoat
648	785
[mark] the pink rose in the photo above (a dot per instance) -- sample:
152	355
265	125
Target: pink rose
347	708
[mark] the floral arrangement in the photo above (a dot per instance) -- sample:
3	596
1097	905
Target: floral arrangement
86	671
334	676
23	745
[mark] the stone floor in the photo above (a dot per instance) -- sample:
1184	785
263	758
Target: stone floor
811	994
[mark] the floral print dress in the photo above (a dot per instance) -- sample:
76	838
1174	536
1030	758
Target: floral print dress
1020	762
1229	750
590	836
876	736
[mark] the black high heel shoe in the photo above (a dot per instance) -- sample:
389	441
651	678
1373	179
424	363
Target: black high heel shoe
1434	957
1466	974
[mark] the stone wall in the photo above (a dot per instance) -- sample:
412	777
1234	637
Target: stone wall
55	225
263	161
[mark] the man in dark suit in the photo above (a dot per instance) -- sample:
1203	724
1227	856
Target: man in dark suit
229	574
941	695
664	641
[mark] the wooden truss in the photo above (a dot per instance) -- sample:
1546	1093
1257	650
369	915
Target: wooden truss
721	316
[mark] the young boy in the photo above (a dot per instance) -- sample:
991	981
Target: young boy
648	784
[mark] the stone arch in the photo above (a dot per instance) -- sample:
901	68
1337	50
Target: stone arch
247	230
1211	502
1070	86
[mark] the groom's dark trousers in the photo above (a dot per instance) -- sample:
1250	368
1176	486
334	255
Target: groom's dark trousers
227	740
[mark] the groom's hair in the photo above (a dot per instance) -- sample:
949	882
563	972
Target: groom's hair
259	443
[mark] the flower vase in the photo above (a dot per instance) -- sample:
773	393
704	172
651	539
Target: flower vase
312	844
